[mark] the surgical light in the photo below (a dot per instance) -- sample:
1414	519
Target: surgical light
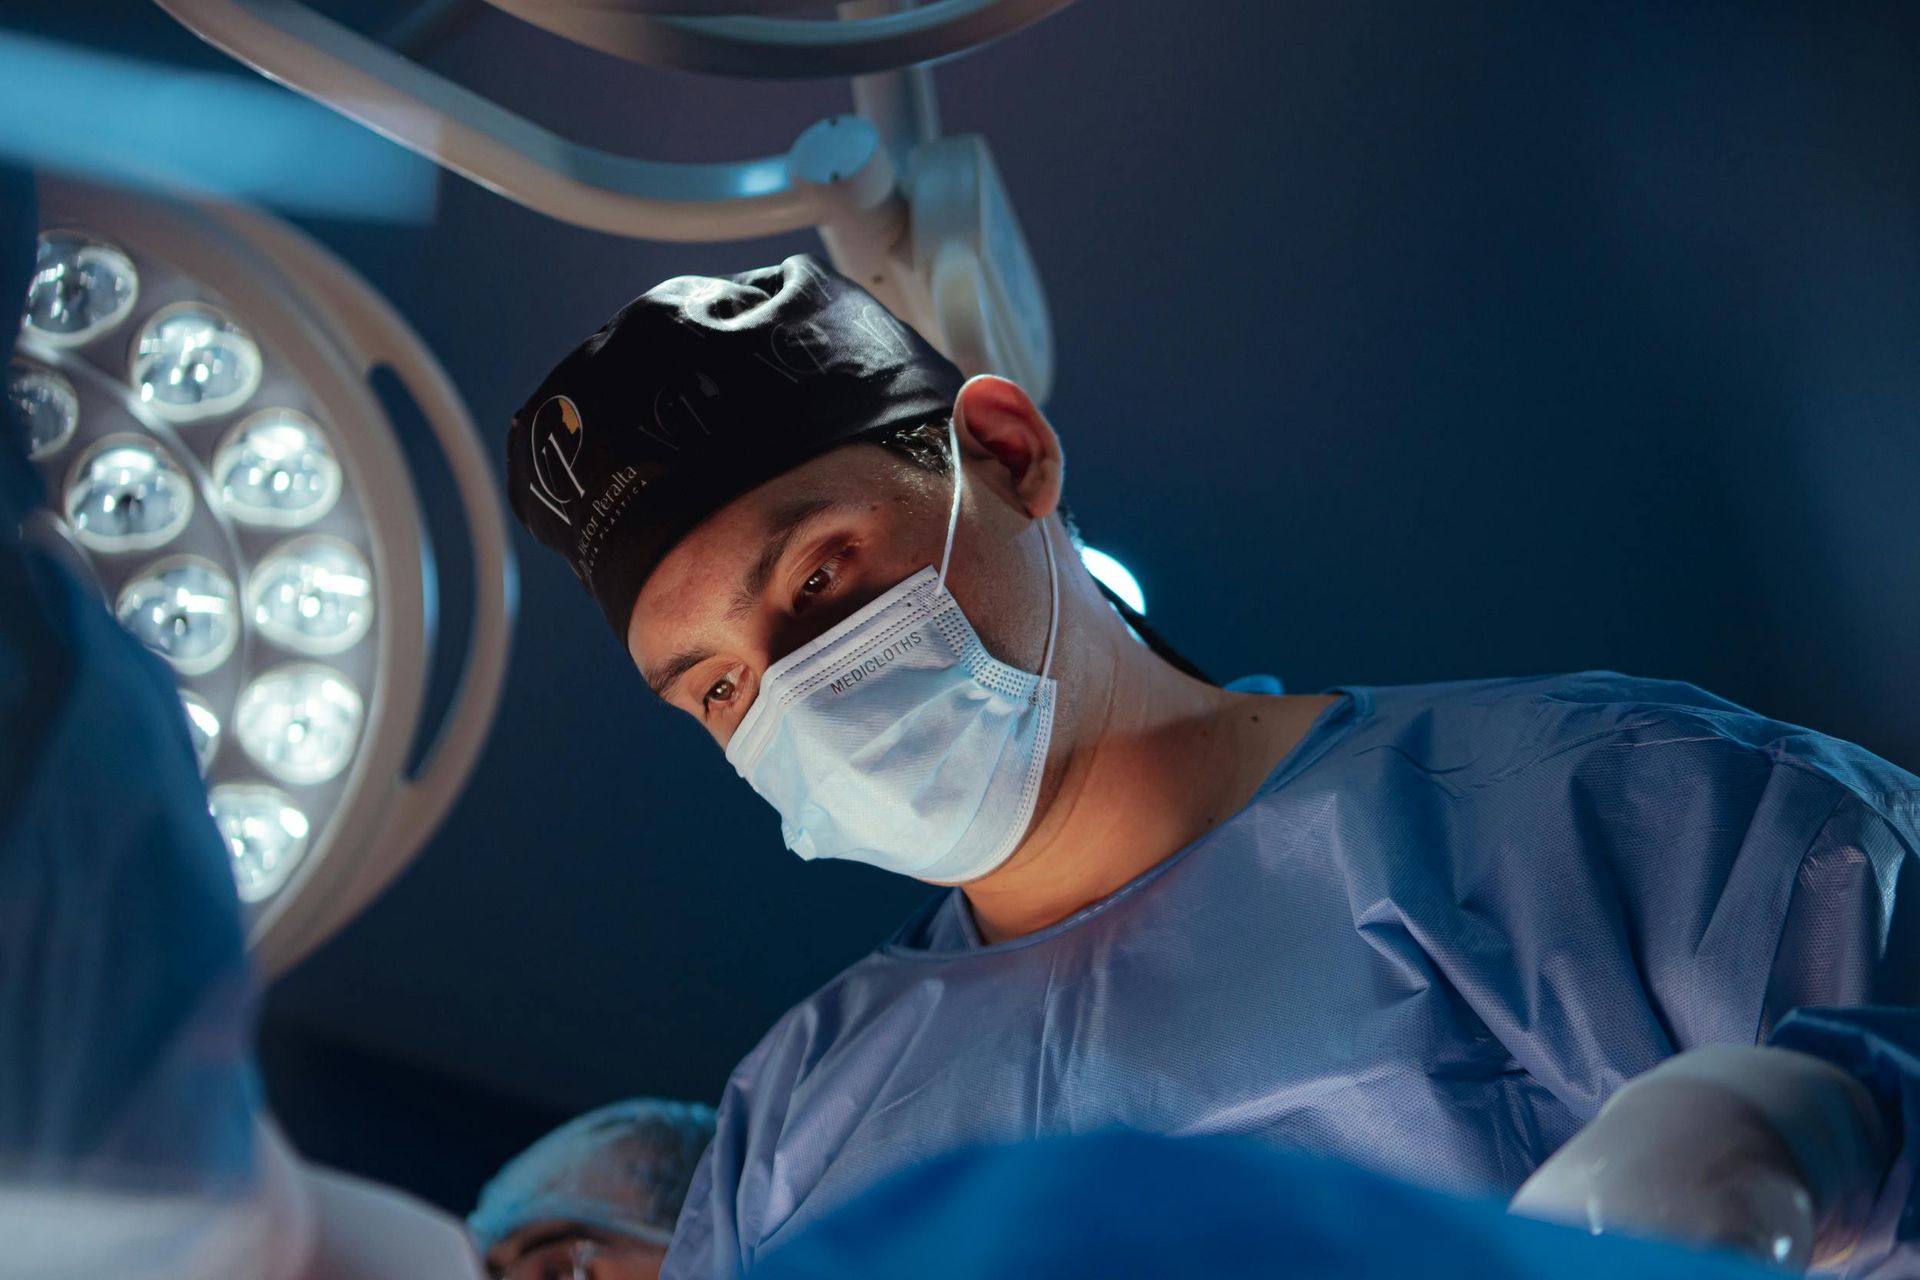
219	461
266	835
275	469
312	595
184	610
46	403
128	494
1116	577
81	288
300	723
192	362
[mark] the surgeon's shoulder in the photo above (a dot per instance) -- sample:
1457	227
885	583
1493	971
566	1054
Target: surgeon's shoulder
1579	688
1482	731
1488	715
1710	719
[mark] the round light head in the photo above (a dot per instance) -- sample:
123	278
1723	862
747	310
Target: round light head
81	288
126	494
185	353
313	595
192	362
203	729
265	833
185	610
300	722
46	403
276	470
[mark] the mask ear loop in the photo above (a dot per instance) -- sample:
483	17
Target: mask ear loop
1053	586
1046	543
953	515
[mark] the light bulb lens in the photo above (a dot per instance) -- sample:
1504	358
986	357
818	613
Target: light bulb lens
46	403
276	470
312	595
266	834
300	722
81	288
192	362
127	495
185	610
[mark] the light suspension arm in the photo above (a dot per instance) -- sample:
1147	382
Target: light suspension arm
426	113
756	47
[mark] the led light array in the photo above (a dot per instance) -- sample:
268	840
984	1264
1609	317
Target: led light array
191	474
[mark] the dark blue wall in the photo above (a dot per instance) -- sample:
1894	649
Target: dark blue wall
1397	342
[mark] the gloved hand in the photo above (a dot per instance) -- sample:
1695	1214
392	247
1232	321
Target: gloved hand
1773	1153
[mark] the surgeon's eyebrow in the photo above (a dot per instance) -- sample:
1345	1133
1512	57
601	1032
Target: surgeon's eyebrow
786	525
663	677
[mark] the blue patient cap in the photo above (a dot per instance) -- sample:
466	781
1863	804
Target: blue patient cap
624	1168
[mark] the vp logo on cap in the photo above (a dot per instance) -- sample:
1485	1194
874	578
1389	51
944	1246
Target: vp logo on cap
555	439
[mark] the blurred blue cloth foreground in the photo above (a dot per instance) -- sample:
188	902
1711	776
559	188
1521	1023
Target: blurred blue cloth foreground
124	1027
1451	924
1134	1207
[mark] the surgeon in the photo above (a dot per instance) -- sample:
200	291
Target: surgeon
1433	929
597	1198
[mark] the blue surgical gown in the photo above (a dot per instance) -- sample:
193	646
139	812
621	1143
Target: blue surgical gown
1450	924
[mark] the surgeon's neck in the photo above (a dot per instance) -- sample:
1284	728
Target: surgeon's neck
1156	760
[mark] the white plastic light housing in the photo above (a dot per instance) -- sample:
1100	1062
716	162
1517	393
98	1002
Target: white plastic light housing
192	362
299	722
313	595
185	610
126	494
276	470
81	288
203	727
46	403
257	363
265	831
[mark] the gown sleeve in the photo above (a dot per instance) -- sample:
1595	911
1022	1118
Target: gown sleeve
1863	880
1880	1046
1667	870
1876	1035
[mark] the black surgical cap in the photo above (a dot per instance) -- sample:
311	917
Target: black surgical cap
695	392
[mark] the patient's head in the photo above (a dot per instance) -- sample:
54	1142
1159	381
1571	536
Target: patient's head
597	1197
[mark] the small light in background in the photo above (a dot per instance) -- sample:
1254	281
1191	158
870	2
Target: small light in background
1116	576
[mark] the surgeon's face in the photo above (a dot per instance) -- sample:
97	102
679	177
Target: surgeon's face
572	1251
788	560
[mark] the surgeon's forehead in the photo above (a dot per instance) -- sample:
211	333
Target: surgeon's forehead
693	585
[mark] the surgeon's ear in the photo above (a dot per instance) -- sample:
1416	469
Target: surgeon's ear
995	418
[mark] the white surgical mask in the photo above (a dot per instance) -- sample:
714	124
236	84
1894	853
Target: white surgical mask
897	740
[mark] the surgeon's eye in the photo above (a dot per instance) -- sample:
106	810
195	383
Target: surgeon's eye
723	690
821	581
